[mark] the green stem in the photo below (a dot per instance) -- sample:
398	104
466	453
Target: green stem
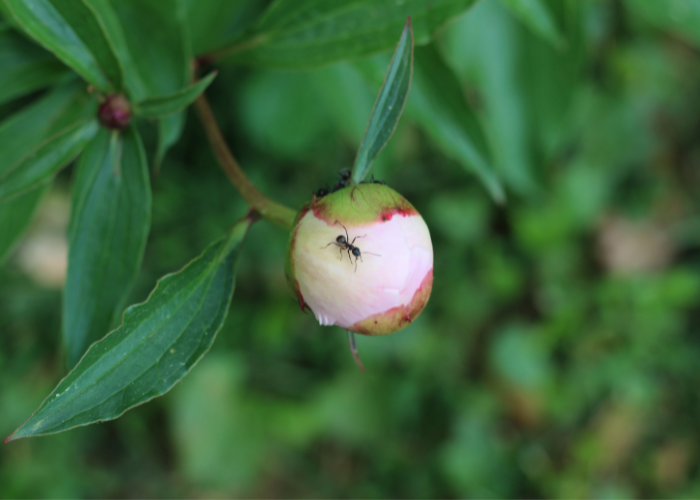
267	209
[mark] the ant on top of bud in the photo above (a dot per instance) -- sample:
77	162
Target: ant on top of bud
344	175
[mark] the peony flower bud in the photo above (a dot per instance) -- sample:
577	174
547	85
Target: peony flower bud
361	258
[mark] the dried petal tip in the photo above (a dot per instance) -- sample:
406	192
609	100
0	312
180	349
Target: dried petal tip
361	258
115	112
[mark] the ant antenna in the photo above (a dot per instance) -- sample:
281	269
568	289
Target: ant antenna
353	350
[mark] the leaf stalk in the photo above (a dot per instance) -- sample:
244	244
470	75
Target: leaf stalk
268	209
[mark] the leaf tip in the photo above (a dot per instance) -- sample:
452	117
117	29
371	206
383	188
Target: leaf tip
9	438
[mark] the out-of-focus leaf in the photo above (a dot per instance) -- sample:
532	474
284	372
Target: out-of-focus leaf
110	221
25	67
169	131
53	155
388	107
74	32
22	133
157	344
160	107
678	16
213	22
15	216
494	72
537	16
310	33
441	108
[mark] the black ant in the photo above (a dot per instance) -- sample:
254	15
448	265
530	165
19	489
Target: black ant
345	244
342	182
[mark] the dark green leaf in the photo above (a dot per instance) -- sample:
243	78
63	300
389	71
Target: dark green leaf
20	135
440	107
23	133
389	105
159	107
494	72
74	32
537	16
157	43
169	131
163	69
310	33
213	22
53	155
157	344
15	216
25	66
110	221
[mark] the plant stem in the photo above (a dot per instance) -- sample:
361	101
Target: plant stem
267	209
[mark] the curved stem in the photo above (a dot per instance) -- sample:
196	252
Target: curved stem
267	209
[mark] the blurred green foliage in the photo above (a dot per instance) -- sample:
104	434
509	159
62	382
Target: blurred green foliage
557	356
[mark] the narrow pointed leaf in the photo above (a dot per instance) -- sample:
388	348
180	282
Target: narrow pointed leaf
158	44
24	132
110	221
388	107
15	216
53	155
537	16
25	66
160	107
20	135
169	131
74	32
157	344
294	34
440	107
163	69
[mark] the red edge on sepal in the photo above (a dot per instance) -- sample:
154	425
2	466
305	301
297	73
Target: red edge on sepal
8	438
302	304
387	215
401	315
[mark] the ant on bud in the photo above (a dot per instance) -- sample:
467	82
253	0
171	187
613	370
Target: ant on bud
344	243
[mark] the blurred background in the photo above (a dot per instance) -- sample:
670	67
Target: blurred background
558	354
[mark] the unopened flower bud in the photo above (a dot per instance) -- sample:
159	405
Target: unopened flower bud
361	258
115	112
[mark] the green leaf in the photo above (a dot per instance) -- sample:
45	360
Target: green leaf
110	221
160	107
388	107
53	155
22	133
74	32
157	46
494	71
538	17
157	344
166	67
15	216
213	22
169	131
296	34
440	107
25	67
677	16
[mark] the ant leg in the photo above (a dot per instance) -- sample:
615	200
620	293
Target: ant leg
353	350
353	241
340	251
346	232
